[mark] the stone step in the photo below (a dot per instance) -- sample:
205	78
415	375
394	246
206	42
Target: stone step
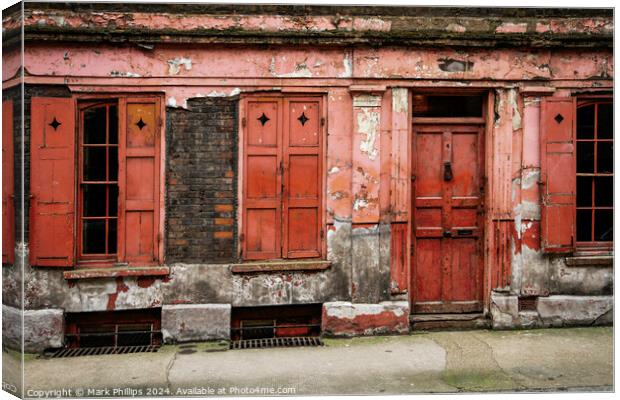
428	322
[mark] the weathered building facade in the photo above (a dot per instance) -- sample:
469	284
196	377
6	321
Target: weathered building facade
395	168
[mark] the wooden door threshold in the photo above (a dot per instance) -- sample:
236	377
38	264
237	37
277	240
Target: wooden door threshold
428	322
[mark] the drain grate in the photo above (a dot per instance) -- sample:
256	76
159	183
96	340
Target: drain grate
300	341
96	351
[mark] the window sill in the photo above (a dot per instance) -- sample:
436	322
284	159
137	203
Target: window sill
280	266
590	261
89	273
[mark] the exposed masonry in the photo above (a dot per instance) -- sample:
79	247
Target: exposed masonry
201	184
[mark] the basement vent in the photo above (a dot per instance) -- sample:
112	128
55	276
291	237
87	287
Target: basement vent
276	342
275	326
527	303
111	332
96	351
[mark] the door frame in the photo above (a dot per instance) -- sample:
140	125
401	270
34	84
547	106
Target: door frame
487	143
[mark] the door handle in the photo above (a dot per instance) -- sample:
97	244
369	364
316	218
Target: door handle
447	171
447	233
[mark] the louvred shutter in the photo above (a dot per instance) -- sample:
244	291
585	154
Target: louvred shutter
139	181
52	181
262	183
302	165
8	216
558	174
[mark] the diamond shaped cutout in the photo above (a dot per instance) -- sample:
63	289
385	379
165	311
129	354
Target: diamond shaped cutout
263	119
559	118
55	124
141	124
303	119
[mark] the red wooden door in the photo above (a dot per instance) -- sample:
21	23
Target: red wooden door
447	206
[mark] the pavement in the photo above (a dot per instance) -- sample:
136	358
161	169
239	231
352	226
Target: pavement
568	359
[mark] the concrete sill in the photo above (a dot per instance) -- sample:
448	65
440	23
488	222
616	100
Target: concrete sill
589	261
280	266
89	273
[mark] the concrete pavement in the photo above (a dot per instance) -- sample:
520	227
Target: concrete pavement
532	360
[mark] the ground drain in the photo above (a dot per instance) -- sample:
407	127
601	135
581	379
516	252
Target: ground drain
301	341
96	351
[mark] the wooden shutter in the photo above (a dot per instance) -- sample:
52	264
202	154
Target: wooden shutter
262	180
52	181
557	129
302	187
139	181
8	185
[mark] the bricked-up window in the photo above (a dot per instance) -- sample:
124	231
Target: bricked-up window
594	167
110	163
282	178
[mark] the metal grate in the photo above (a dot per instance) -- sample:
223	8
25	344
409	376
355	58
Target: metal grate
301	341
97	351
527	303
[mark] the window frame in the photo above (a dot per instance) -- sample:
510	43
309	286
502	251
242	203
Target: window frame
121	99
596	247
107	257
241	179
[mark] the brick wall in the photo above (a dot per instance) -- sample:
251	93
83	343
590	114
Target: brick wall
201	191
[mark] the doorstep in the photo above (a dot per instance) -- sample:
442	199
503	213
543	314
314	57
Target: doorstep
113	272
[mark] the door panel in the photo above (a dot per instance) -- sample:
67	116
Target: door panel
141	152
447	203
302	184
262	184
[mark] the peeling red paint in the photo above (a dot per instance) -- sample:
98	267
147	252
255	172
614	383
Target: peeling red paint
364	324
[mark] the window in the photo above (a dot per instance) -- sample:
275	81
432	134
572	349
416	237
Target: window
98	189
594	171
115	179
576	173
282	178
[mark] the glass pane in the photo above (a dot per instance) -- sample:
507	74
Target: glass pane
113	201
447	106
112	236
605	157
584	191
94	163
605	119
603	225
113	135
585	122
585	157
94	200
94	125
93	236
584	225
604	191
113	154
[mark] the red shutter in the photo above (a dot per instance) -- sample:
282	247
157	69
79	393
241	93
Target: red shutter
302	153
139	181
558	174
52	181
8	185
262	180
